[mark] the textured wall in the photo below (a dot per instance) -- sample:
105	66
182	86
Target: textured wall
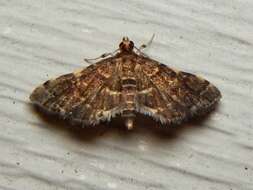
43	39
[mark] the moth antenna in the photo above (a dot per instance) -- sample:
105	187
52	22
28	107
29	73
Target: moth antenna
143	46
140	52
104	55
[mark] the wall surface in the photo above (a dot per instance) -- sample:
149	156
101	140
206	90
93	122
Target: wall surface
44	39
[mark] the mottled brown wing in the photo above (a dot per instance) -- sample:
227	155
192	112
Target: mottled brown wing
88	97
173	96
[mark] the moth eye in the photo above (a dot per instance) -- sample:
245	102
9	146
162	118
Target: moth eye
121	44
131	44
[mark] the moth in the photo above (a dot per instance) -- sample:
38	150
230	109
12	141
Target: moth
123	84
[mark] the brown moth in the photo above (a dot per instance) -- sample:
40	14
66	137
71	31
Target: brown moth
126	83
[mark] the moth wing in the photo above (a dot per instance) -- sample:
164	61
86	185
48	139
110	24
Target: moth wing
88	96
173	96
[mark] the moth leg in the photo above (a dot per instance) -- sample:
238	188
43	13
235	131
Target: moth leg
104	55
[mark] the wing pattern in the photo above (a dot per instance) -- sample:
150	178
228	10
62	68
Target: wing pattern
88	96
123	84
173	96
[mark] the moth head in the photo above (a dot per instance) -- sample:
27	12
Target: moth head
126	45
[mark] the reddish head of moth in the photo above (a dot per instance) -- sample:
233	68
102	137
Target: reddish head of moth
126	45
